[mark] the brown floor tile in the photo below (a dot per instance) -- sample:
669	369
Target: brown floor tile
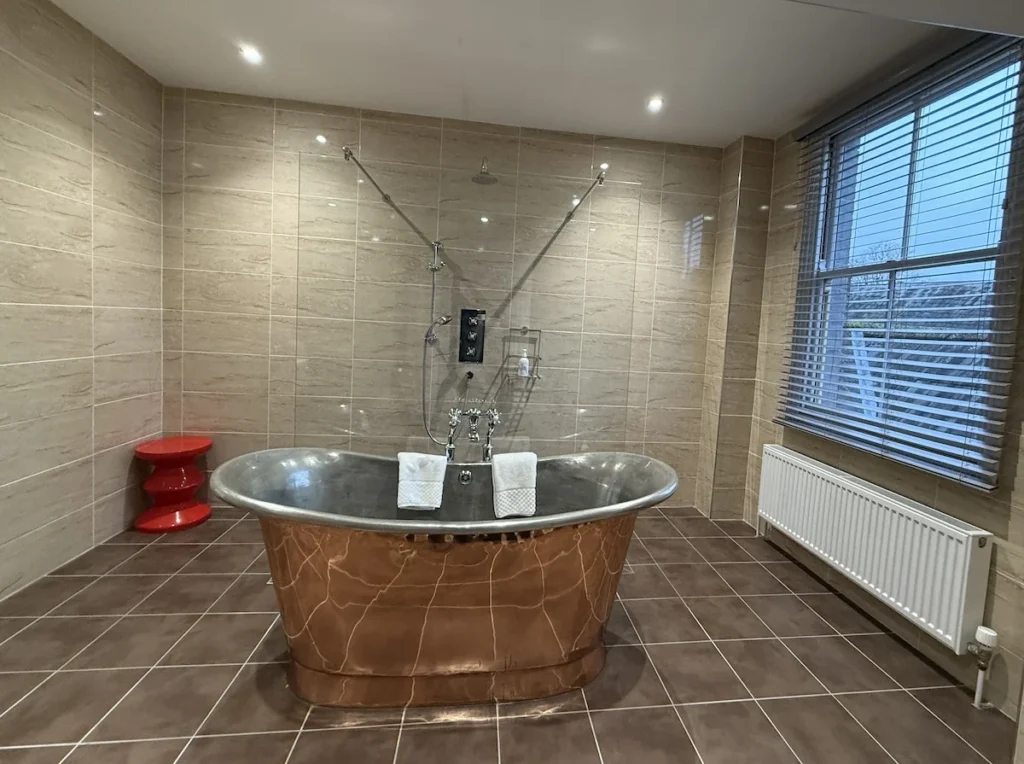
243	749
761	550
650	528
232	558
696	673
251	593
796	578
648	735
448	744
50	642
220	639
273	648
652	512
136	641
564	738
42	596
65	707
360	746
749	578
131	536
720	550
465	714
98	561
989	731
567	703
907	730
326	717
11	626
52	755
788	616
664	621
148	752
768	669
698	580
258	701
158	558
619	630
672	551
820	730
245	532
644	581
636	554
229	513
111	596
844	618
169	702
186	594
15	686
697	527
736	528
839	665
260	565
679	513
628	680
735	733
727	618
900	662
206	533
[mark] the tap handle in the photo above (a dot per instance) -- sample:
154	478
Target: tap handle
494	416
474	414
454	417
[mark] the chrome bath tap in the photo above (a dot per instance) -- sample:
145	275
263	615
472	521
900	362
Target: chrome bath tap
493	418
454	420
474	424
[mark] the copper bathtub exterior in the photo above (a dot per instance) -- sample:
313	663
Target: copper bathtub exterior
440	608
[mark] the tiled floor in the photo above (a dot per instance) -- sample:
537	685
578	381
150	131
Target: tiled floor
153	651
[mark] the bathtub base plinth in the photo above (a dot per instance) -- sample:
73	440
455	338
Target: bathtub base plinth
364	691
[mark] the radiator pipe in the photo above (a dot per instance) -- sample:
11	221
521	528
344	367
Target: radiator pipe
983	646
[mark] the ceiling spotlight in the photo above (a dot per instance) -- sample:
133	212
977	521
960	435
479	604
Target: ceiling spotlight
251	53
97	112
604	165
654	104
321	139
484	220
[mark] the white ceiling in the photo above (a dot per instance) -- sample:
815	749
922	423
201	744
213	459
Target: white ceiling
725	67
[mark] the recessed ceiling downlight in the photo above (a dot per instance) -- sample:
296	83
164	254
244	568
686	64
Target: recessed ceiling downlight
654	104
250	53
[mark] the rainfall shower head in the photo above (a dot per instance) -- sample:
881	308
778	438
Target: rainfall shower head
484	178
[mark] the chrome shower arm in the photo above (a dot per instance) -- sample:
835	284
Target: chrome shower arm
386	198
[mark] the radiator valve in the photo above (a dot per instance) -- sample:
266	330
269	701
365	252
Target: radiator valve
984	644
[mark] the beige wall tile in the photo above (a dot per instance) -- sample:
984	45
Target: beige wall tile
113	514
125	285
40	276
126	420
228	125
117	188
226	292
32	157
396	142
51	495
215	412
459	192
30	556
117	469
37	100
226	251
462	229
298	131
466	150
124	376
124	87
550	275
324	338
224	373
49	39
126	330
29	391
126	238
31	216
44	332
30	447
546	157
225	209
225	333
228	167
120	140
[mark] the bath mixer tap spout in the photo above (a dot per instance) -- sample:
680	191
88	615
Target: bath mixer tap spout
474	424
493	418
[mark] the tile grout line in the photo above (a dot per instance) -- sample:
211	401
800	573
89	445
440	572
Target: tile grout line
916	699
398	739
151	668
797	658
722	656
664	688
295	742
99	636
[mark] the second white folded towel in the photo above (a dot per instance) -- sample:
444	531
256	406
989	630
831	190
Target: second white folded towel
515	484
420	480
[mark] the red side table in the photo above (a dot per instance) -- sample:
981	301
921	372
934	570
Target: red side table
173	484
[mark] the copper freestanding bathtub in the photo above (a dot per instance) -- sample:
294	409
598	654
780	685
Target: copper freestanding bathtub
389	607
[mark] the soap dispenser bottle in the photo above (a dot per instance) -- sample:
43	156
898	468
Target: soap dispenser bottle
524	364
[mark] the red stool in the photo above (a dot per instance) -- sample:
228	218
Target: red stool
173	484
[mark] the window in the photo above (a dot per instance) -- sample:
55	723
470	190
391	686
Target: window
904	328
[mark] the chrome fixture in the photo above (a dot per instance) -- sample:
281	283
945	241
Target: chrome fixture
454	420
493	418
474	424
430	337
484	177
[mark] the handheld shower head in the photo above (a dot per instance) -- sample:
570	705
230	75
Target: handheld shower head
443	320
430	336
484	177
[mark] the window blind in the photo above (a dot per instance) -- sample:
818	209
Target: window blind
904	327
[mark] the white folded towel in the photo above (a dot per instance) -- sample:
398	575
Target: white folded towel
420	480
515	484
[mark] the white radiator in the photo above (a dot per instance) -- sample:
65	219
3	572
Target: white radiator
927	566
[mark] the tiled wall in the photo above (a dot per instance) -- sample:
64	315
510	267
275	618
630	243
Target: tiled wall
1001	512
733	329
296	302
79	286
